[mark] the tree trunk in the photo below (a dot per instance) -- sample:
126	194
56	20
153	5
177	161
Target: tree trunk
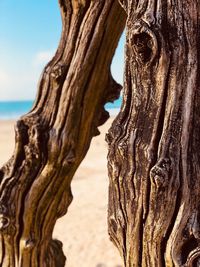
53	138
154	143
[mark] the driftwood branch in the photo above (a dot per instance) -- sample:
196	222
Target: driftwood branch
53	138
154	155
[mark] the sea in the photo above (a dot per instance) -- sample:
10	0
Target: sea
12	110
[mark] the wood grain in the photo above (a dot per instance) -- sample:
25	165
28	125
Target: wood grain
154	155
53	138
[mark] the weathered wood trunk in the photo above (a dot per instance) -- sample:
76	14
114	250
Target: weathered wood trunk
53	138
154	143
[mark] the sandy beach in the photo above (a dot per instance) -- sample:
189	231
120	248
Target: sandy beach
83	230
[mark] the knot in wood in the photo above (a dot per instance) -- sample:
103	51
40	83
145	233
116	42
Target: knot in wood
160	172
58	71
36	131
193	259
143	43
4	222
4	217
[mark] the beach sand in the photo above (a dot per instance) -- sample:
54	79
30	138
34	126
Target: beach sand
83	230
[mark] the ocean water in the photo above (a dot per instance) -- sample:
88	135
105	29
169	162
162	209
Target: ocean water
15	109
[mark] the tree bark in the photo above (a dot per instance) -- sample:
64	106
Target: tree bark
53	138
154	143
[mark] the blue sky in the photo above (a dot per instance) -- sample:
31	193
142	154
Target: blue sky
29	35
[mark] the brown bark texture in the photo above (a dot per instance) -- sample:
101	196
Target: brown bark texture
53	138
154	143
